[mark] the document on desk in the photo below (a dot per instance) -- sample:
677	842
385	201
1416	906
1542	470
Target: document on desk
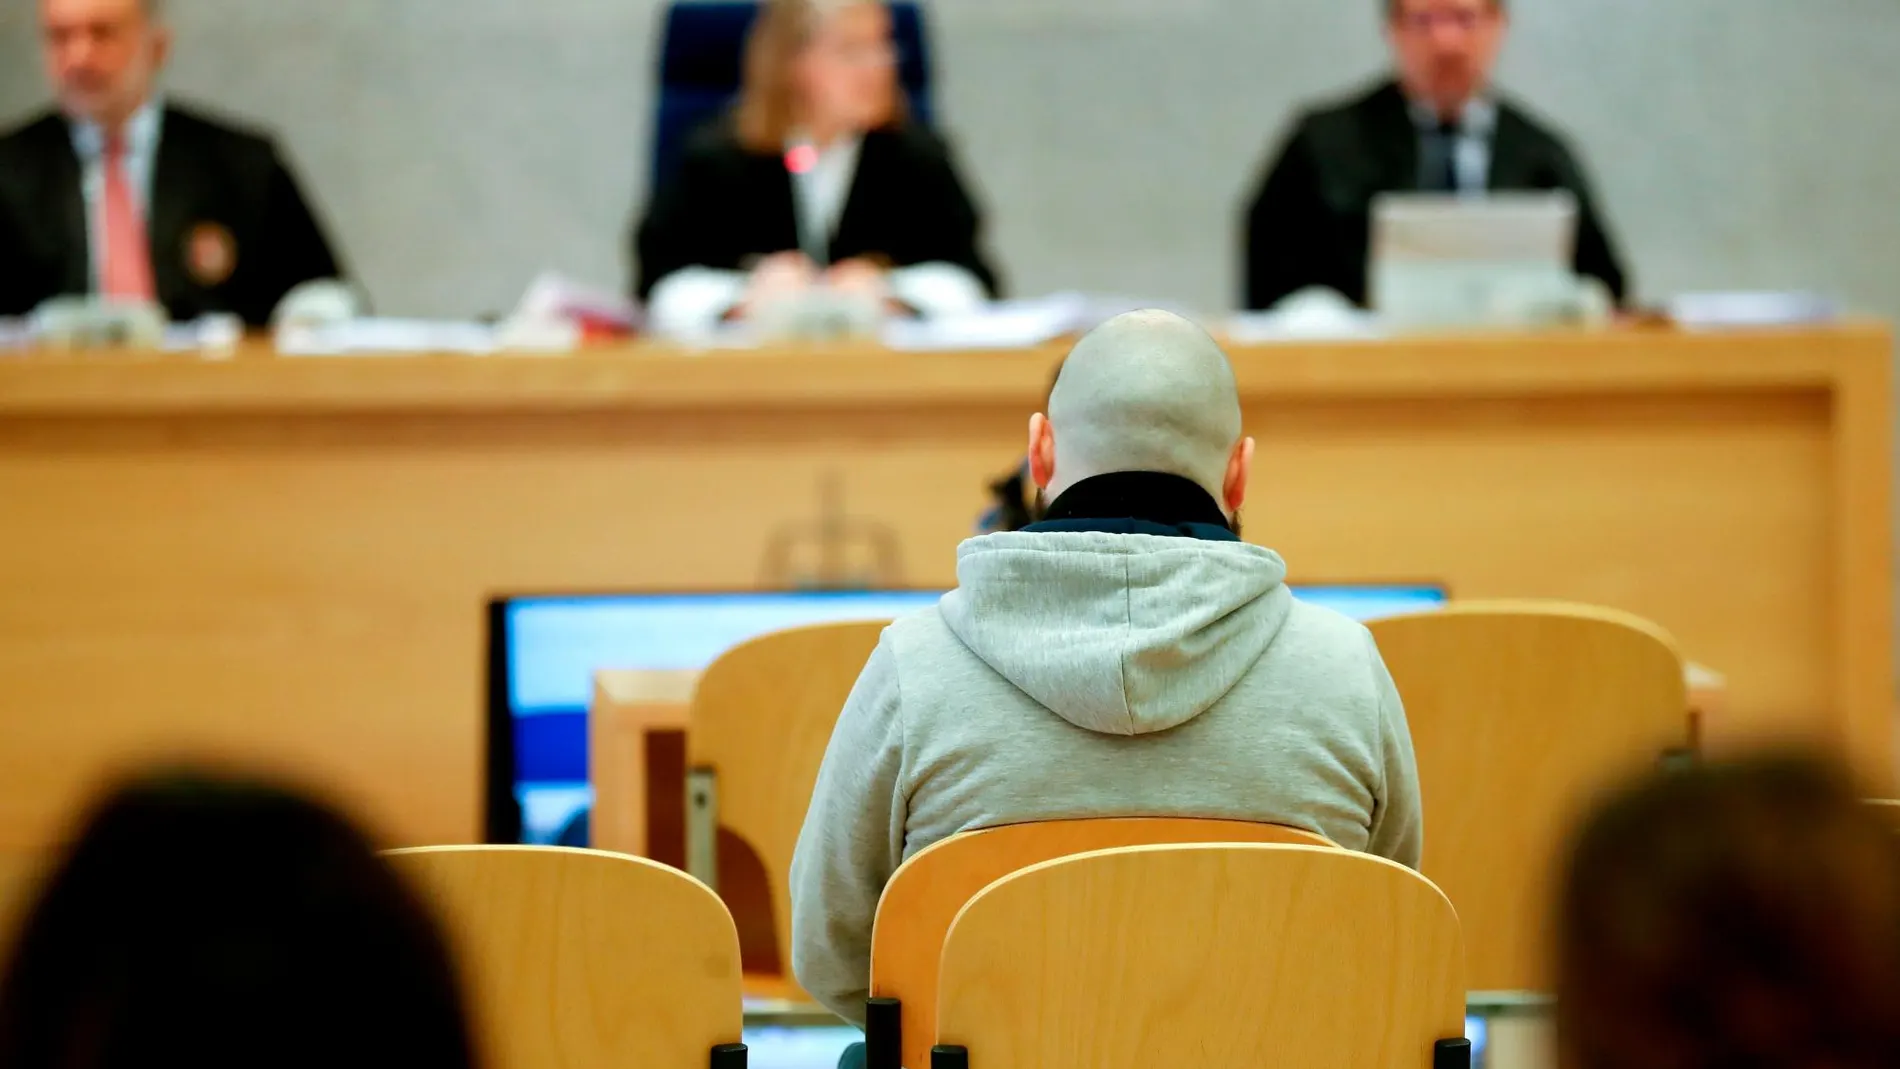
1003	325
1265	328
391	337
1740	311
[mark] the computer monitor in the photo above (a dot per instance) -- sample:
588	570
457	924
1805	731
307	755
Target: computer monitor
544	652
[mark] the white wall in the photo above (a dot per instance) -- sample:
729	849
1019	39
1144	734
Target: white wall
459	145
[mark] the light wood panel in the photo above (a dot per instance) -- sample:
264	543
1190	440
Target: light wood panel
1205	955
636	704
585	960
929	890
1588	512
1521	1041
761	718
287	560
654	377
1521	713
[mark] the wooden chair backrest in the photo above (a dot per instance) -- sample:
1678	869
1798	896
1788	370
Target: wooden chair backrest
929	890
1521	713
761	718
1208	955
583	959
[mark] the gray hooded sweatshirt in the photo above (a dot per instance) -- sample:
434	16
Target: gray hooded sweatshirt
1095	675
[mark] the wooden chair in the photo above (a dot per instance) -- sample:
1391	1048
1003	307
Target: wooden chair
1209	955
928	891
1521	713
587	960
761	718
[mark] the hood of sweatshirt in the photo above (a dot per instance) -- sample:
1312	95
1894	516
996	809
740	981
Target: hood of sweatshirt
1122	634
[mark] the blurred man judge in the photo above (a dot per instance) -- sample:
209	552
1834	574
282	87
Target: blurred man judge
1439	126
124	195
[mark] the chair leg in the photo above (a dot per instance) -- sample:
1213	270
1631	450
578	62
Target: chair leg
883	1033
952	1058
729	1056
1451	1054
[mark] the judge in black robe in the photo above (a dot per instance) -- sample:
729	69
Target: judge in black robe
730	207
1310	222
1438	126
227	225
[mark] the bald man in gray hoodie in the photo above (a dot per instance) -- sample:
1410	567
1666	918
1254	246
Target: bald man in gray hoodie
1127	656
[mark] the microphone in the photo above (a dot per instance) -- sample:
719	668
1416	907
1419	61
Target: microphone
310	313
91	322
319	303
801	158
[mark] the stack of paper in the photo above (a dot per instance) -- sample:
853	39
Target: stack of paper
1735	311
392	337
1003	325
1258	328
553	297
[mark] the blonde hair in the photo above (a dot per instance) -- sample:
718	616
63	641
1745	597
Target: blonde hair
768	106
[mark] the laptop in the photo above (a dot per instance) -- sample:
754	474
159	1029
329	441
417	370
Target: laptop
1447	261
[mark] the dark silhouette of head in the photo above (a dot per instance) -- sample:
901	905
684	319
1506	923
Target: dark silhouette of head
1732	916
216	923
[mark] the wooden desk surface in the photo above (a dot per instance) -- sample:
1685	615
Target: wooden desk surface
287	560
665	377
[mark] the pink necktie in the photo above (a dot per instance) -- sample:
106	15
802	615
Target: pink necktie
128	258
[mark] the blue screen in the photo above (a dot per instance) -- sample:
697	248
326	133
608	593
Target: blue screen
552	647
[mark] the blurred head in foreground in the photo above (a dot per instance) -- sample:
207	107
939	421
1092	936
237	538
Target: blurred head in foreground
217	923
1732	916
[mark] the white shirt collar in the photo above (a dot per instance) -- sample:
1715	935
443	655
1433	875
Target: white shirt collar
822	189
141	132
841	148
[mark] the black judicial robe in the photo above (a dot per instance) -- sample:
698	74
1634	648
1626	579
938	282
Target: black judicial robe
728	207
1310	222
228	226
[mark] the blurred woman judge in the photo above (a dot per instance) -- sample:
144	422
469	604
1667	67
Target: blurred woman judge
818	177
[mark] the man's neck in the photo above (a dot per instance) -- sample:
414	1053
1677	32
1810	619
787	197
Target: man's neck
119	124
1452	114
821	136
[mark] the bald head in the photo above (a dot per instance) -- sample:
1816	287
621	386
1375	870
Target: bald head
1147	391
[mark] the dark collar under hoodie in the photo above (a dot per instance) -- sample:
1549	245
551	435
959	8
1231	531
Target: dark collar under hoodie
1137	502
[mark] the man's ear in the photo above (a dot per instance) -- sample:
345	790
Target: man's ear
1239	471
1042	451
161	46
